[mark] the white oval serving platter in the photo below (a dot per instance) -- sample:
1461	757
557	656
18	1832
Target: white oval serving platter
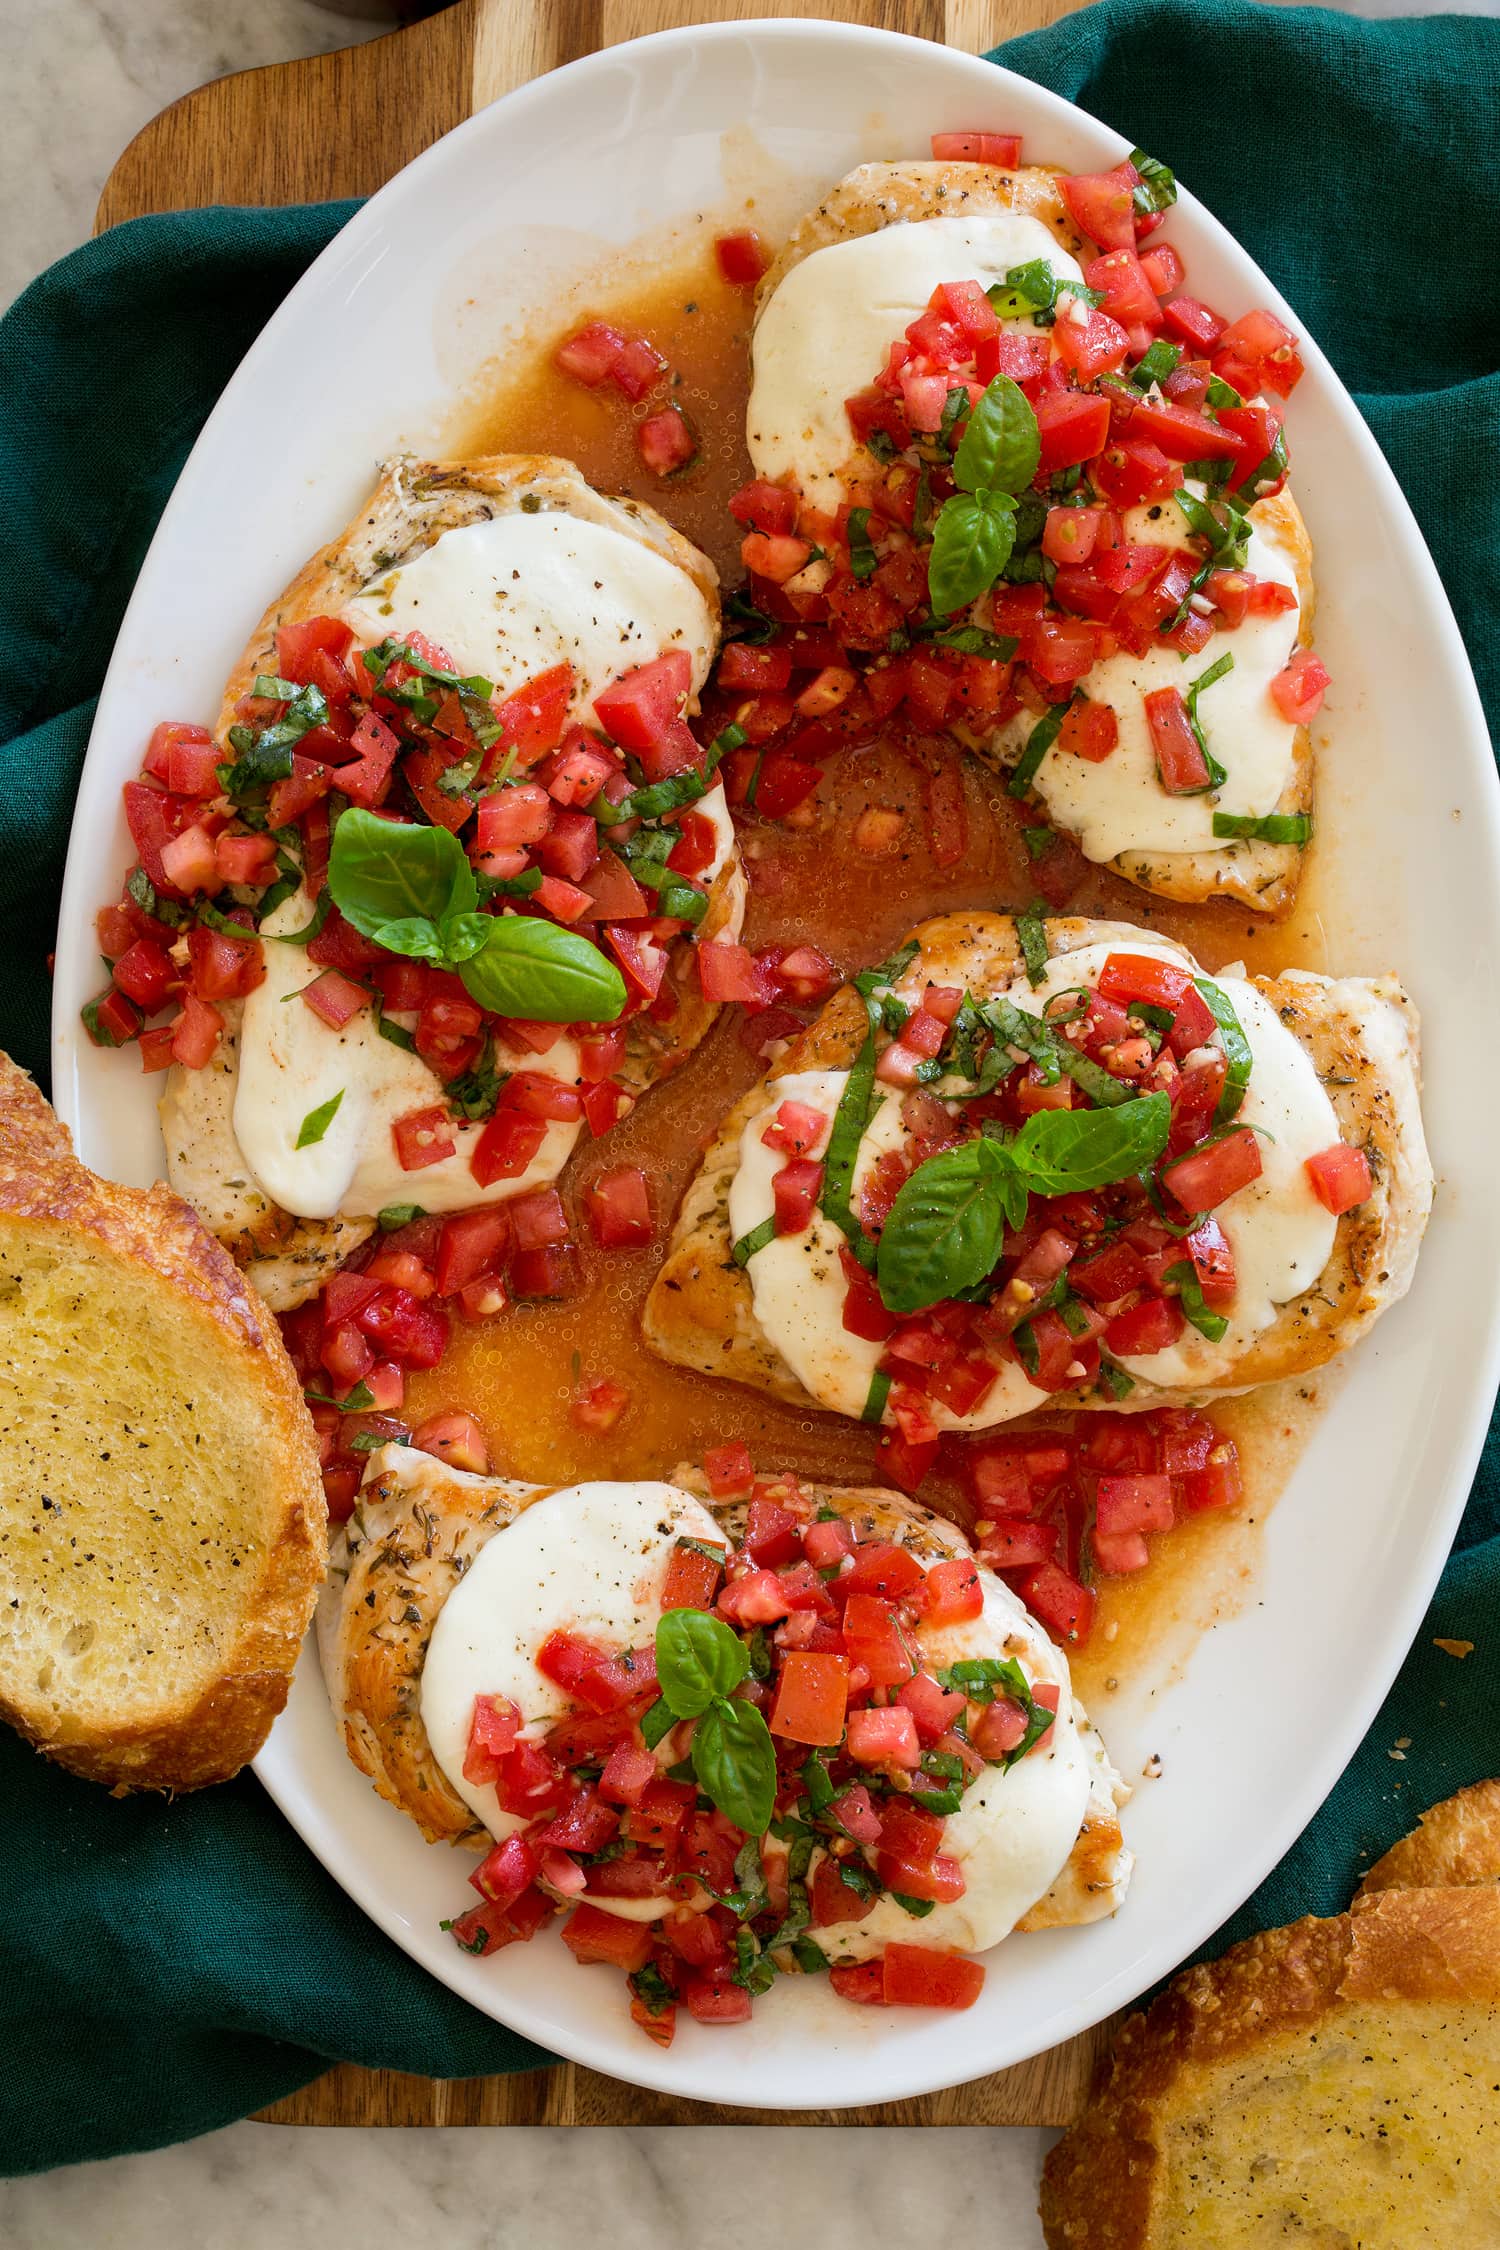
365	356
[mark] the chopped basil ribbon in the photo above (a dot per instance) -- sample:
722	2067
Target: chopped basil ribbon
370	1441
1030	292
752	625
748	1244
879	1392
845	1134
1217	775
358	1401
510	886
1155	364
1227	541
976	529
659	797
862	556
1115	1380
1268	471
955	407
1237	1052
264	754
913	1906
658	1723
1038	743
980	1677
972	640
1271	828
309	929
395	1215
272	689
1032	932
317	1121
1158	187
396	1033
946	1229
1037	841
1190	1296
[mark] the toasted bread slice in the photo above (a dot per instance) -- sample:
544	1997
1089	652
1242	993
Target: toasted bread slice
1330	2083
1456	1844
1361	1034
162	1528
1249	872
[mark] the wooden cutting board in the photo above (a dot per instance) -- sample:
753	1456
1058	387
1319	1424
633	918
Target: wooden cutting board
287	134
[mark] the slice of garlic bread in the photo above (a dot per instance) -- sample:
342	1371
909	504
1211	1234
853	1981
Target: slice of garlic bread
162	1528
1456	1844
1361	1036
1332	2082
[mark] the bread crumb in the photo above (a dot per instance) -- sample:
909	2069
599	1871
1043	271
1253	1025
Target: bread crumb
1453	1648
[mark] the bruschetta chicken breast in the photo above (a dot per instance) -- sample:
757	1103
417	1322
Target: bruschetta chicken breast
504	595
1007	443
431	1616
1052	1162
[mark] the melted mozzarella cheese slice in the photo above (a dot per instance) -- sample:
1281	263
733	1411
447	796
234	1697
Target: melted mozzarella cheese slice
1014	1829
1119	804
590	1559
1281	1235
516	594
797	1281
291	1063
827	330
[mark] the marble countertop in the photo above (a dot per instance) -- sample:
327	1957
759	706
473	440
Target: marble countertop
109	66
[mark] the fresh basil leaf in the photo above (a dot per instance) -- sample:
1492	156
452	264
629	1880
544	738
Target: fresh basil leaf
758	1237
1184	1278
734	1761
881	973
317	1121
1158	187
879	1392
1038	743
1038	842
370	1441
1070	1151
1115	1380
658	1723
752	625
1271	828
462	935
1002	444
971	544
539	971
416	938
1237	1052
395	1215
652	1990
1026	289
272	688
1031	930
862	556
946	1228
396	1033
698	1661
384	871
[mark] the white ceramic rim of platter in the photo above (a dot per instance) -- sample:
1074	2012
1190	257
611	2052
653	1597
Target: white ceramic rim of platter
1277	1698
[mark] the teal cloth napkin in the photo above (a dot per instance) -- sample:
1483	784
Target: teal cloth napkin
166	1968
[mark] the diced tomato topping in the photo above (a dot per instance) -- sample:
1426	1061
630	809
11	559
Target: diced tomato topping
811	1696
1064	1606
1298	691
1340	1177
592	1935
195	1033
456	1438
1207	1176
1102	205
1073	425
953	1593
743	257
1003	149
618	1204
423	1137
667	442
1181	765
509	1143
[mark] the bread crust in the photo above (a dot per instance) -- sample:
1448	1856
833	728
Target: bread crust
1456	1843
1249	872
191	1738
1362	1036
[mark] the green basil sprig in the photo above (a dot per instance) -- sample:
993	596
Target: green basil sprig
699	1664
946	1228
411	889
975	530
